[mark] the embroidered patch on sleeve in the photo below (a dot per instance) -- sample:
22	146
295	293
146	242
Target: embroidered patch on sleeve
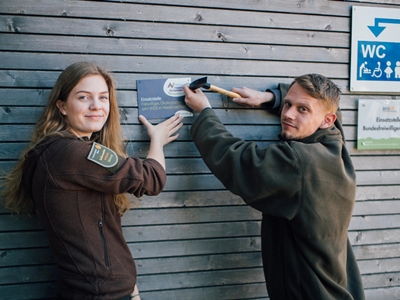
103	156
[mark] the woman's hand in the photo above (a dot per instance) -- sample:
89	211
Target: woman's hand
160	135
163	132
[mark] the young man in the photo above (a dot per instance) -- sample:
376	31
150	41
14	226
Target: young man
304	185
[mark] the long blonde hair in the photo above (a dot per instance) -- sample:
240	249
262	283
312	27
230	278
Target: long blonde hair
53	122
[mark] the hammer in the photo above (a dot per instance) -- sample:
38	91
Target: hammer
202	83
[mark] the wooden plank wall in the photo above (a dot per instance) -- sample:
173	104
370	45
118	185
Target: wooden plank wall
195	240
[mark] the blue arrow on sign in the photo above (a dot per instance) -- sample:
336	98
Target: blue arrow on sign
377	30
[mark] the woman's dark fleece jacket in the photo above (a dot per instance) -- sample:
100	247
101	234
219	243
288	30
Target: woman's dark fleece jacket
74	199
306	192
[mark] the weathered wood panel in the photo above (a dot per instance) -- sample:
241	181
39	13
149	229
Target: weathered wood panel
165	65
139	47
169	14
195	240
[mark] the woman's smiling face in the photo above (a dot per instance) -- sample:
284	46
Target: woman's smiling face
87	107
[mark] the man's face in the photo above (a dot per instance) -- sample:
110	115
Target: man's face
302	114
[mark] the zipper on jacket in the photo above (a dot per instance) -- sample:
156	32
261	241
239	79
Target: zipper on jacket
100	223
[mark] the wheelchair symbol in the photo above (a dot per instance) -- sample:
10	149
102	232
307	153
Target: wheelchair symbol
377	71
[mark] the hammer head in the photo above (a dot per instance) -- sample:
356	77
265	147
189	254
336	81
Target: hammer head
199	83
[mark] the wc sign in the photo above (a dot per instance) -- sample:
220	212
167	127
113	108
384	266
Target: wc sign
375	49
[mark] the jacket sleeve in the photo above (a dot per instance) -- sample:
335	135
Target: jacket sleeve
69	168
268	179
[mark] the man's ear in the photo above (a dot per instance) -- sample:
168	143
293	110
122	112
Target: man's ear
328	121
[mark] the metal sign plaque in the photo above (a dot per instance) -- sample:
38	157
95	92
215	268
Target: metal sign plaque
375	48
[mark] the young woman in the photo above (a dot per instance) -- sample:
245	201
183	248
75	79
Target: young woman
75	174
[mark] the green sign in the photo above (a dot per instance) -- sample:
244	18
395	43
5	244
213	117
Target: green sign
378	124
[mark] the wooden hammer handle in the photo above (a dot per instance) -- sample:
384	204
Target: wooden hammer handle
224	92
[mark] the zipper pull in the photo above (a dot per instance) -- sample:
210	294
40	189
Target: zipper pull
100	223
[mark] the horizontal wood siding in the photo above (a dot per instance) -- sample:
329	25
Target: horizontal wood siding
195	240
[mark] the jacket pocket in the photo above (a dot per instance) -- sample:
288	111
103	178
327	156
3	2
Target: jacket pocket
103	238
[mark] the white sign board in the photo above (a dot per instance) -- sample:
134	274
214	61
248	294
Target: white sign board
375	49
378	124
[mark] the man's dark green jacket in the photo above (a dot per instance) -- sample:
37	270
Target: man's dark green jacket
306	192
